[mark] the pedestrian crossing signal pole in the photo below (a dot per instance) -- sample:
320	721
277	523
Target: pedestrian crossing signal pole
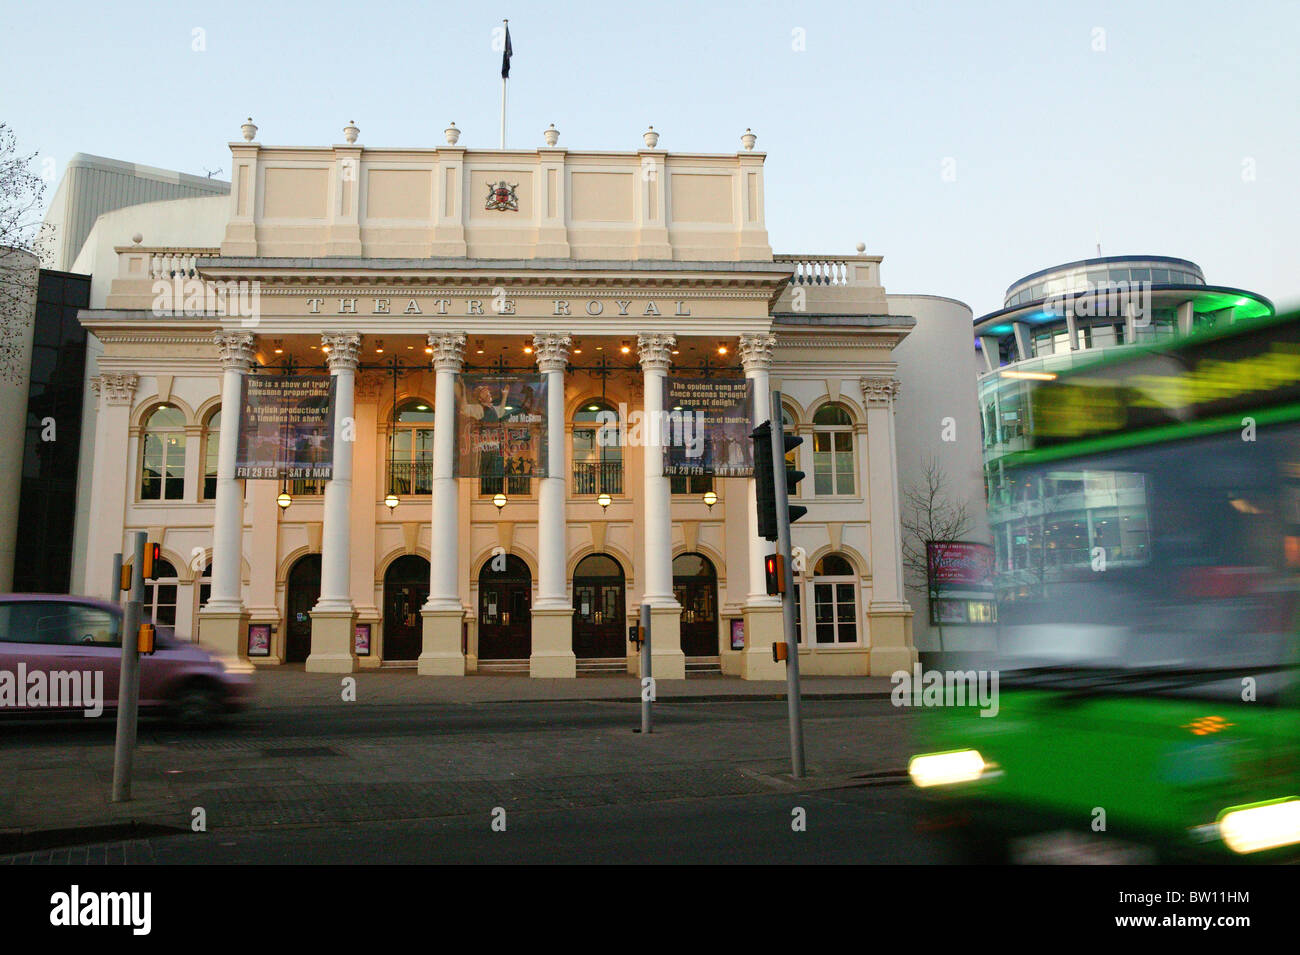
128	683
773	481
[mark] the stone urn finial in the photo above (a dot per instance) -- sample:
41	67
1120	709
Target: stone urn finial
350	131
137	238
551	135
248	129
452	133
748	138
651	138
862	247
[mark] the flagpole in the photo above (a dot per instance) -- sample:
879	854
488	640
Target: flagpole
506	24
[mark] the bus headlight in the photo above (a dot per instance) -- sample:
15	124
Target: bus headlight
945	769
1265	825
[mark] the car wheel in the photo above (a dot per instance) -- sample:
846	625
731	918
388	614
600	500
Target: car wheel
197	704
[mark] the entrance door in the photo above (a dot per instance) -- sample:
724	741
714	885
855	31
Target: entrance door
598	618
301	594
695	584
406	588
505	611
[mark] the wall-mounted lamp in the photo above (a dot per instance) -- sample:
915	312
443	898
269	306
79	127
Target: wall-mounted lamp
710	498
284	500
391	501
604	501
500	501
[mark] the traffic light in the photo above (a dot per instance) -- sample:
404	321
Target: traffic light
792	477
152	557
765	489
774	571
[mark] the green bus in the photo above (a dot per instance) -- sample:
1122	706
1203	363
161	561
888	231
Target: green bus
1148	708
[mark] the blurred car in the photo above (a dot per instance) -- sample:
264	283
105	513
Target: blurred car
69	640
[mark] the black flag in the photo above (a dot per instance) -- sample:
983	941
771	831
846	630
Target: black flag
505	57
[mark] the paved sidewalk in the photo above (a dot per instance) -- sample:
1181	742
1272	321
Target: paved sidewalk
291	686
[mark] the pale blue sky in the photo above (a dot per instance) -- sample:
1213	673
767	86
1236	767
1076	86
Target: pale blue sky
1055	144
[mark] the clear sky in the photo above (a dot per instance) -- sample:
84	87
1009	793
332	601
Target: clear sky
968	143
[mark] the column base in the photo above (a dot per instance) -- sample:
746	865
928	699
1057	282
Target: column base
891	638
331	642
224	633
441	654
552	655
764	626
667	661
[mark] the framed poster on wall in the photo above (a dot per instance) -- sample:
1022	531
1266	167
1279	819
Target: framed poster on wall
361	639
259	639
737	633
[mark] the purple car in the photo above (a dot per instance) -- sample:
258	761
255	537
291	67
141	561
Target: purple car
61	653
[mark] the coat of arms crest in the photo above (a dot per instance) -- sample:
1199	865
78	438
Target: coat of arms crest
501	197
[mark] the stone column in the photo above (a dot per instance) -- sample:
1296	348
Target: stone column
667	660
764	621
112	477
224	619
443	614
333	617
889	615
552	647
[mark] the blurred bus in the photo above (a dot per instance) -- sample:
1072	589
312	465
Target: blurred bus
1148	707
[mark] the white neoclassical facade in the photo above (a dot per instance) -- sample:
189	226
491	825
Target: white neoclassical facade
394	271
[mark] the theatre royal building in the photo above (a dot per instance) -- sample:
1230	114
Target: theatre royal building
396	275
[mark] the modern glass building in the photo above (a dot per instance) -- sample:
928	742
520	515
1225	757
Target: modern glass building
1053	320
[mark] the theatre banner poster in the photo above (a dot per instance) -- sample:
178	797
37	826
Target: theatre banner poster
501	426
961	582
706	425
286	428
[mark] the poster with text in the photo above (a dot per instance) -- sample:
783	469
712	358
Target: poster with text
705	427
286	428
501	425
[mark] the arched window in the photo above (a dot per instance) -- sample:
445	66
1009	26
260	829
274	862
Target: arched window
597	449
833	470
162	461
160	595
410	469
211	454
835	601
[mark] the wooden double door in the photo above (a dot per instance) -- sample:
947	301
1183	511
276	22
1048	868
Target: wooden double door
505	609
302	592
406	588
599	620
695	585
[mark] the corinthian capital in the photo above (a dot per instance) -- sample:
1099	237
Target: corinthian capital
235	349
552	351
756	351
345	349
448	350
116	389
880	391
655	350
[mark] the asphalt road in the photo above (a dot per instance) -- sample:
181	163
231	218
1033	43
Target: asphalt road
571	781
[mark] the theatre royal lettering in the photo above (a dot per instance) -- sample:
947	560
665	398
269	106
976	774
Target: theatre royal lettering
494	305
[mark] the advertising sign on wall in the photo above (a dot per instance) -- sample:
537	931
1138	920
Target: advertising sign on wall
706	425
500	425
960	577
286	427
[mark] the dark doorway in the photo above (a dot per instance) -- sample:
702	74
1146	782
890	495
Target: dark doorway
505	609
406	588
695	585
598	618
301	594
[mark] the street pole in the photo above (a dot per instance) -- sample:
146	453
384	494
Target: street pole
787	598
646	721
115	589
128	684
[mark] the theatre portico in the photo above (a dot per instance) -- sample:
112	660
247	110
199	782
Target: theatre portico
607	275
